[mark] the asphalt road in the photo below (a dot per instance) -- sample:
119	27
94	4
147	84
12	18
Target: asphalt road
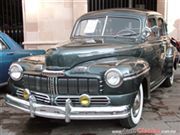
160	116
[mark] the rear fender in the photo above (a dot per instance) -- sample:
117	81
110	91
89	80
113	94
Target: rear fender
170	61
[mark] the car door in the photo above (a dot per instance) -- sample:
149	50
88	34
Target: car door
153	51
6	57
163	36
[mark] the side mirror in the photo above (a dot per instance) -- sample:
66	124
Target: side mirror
155	29
146	33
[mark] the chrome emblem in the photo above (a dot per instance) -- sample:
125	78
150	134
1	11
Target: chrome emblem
50	73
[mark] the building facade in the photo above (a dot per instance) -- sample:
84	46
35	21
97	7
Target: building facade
47	23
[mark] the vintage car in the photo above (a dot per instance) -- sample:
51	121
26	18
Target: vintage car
114	59
10	51
176	44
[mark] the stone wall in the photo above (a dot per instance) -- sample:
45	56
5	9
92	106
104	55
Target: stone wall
49	22
173	18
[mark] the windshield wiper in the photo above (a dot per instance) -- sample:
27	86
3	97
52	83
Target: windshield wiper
78	36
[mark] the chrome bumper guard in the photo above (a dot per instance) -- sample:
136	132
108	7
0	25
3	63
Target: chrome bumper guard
68	112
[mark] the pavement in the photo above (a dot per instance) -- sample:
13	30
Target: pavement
161	115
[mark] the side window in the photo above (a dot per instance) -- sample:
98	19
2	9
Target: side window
162	27
152	25
2	46
151	22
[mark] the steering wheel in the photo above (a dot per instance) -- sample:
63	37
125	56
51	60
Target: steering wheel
125	31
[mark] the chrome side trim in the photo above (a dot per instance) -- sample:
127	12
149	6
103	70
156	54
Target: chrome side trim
3	84
136	75
158	84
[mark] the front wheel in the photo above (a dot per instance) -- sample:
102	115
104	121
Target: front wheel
135	112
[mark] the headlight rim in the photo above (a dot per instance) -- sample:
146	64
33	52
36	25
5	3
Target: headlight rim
120	75
21	71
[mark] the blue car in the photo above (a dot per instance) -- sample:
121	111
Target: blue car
11	51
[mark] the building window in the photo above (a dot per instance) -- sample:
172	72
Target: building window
94	5
11	21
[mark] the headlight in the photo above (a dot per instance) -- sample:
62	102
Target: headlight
113	78
16	72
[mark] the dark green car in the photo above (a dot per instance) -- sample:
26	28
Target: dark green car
114	59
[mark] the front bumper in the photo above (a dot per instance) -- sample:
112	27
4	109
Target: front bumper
68	112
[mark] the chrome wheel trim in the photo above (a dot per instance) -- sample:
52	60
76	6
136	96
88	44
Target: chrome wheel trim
136	105
172	78
136	110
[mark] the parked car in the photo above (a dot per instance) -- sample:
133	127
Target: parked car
114	60
11	51
175	43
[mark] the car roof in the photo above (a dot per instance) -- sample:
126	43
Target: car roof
9	41
116	11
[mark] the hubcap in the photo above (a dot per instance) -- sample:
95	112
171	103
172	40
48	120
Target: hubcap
136	105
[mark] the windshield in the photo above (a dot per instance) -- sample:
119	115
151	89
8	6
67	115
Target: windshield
108	26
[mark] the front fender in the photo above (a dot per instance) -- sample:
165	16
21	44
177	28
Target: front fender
133	69
129	67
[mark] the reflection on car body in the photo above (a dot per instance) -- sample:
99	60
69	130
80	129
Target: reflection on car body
10	52
112	63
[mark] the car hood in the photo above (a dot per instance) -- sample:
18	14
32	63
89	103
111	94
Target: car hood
75	53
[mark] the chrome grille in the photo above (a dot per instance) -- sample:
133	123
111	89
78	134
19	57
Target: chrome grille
19	93
62	85
95	100
61	100
40	97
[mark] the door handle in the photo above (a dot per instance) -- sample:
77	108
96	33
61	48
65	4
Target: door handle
10	53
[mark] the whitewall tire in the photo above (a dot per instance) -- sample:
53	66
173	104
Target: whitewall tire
136	110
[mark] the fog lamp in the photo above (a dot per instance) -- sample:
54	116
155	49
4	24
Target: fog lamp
85	100
26	94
